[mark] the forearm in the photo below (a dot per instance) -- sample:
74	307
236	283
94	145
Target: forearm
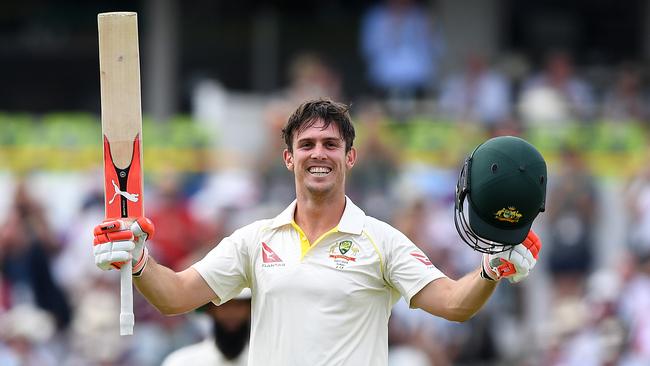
455	300
469	294
172	292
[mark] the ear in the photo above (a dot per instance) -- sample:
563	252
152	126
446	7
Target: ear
351	158
288	159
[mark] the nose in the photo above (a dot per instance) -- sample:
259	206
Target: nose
318	152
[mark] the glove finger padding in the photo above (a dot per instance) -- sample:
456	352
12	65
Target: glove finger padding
109	226
125	235
112	254
514	264
142	226
117	241
143	229
533	244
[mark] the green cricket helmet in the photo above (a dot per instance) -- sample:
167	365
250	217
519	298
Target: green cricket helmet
504	184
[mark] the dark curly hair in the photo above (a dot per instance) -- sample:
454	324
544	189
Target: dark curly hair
310	112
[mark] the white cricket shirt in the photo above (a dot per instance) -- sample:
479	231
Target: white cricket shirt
322	303
204	353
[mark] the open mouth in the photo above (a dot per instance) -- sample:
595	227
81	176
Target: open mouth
319	171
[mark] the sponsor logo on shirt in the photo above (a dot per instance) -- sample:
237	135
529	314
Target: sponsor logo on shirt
422	258
343	252
270	258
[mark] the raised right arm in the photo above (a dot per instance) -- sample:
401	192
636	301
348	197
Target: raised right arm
118	241
173	292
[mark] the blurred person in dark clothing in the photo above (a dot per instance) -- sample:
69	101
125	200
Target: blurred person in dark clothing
571	212
627	101
27	245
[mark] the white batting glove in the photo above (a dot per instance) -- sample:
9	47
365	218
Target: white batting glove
117	241
514	264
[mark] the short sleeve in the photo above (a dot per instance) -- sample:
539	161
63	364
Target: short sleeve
408	269
225	267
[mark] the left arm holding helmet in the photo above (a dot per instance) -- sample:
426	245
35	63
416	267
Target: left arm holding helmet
459	300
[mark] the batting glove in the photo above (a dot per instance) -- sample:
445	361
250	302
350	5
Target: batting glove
515	263
117	241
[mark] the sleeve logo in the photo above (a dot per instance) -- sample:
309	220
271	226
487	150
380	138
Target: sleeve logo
422	258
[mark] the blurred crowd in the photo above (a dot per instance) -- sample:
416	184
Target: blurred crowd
584	304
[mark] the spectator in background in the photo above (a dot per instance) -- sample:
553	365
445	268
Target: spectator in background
587	331
310	77
634	305
95	310
180	233
27	247
409	345
25	333
637	207
478	94
76	277
557	94
626	101
402	49
272	175
572	210
370	182
228	343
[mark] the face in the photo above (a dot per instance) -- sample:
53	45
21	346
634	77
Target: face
232	314
319	161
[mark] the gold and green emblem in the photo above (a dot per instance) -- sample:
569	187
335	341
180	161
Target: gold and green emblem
344	246
510	214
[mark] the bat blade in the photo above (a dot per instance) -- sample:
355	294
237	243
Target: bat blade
119	65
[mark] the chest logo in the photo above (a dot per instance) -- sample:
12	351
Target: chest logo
343	252
345	246
269	258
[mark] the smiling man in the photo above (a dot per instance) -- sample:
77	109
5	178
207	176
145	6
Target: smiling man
324	275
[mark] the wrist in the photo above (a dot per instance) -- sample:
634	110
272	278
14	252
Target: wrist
138	266
486	271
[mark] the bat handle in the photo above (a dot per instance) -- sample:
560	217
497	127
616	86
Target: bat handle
127	320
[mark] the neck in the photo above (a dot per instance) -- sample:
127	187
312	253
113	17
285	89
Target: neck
316	215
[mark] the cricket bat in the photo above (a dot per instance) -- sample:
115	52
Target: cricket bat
119	69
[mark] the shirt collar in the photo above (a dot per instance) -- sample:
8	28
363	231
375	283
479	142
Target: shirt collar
351	222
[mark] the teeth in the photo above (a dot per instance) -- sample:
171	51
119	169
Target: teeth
319	170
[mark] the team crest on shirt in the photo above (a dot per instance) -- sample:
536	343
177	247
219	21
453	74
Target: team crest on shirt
343	253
